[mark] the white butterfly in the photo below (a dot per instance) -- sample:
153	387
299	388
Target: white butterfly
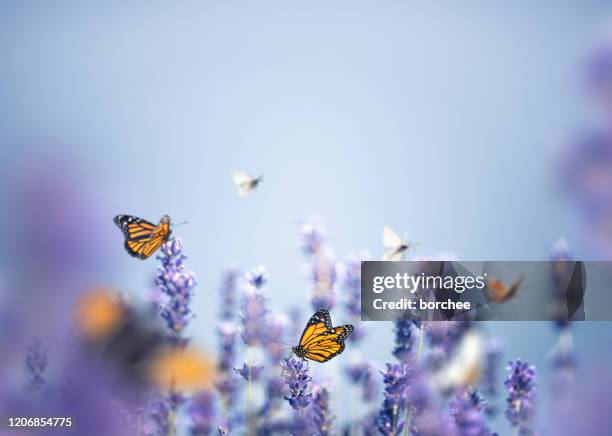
245	183
464	367
394	244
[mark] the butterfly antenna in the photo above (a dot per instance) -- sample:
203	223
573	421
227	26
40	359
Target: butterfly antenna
282	351
180	224
284	343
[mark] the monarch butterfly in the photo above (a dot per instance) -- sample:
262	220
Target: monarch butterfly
499	292
245	183
320	341
143	238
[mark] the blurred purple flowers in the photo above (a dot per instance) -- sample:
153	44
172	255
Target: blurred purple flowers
201	410
254	308
37	360
176	282
467	410
298	381
521	395
323	268
320	411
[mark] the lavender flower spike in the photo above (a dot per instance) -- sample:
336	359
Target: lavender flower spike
37	361
397	380
202	413
176	283
520	384
467	409
298	381
320	411
254	308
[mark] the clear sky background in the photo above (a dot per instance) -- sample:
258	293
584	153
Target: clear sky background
439	118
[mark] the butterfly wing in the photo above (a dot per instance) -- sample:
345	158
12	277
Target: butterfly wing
142	238
318	323
500	293
391	240
327	345
320	340
244	183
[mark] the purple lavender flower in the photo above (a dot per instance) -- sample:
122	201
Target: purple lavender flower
274	392
37	360
313	236
250	372
298	380
490	378
201	410
520	384
361	373
397	379
276	326
351	280
176	283
563	361
257	276
323	268
404	338
228	387
444	336
324	275
158	412
321	415
228	294
228	332
254	310
467	410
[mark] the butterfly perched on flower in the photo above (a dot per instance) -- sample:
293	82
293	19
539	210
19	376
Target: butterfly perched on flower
245	183
499	292
143	238
395	245
321	341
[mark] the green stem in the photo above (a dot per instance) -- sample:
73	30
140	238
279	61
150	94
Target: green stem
171	422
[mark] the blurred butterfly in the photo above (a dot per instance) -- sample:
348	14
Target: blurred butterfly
143	238
499	292
464	366
320	341
395	245
245	183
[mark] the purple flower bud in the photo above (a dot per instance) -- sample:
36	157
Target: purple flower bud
297	380
257	276
250	372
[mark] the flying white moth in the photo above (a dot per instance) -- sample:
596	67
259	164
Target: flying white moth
245	184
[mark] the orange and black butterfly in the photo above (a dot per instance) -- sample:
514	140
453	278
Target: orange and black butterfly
499	292
143	238
320	341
